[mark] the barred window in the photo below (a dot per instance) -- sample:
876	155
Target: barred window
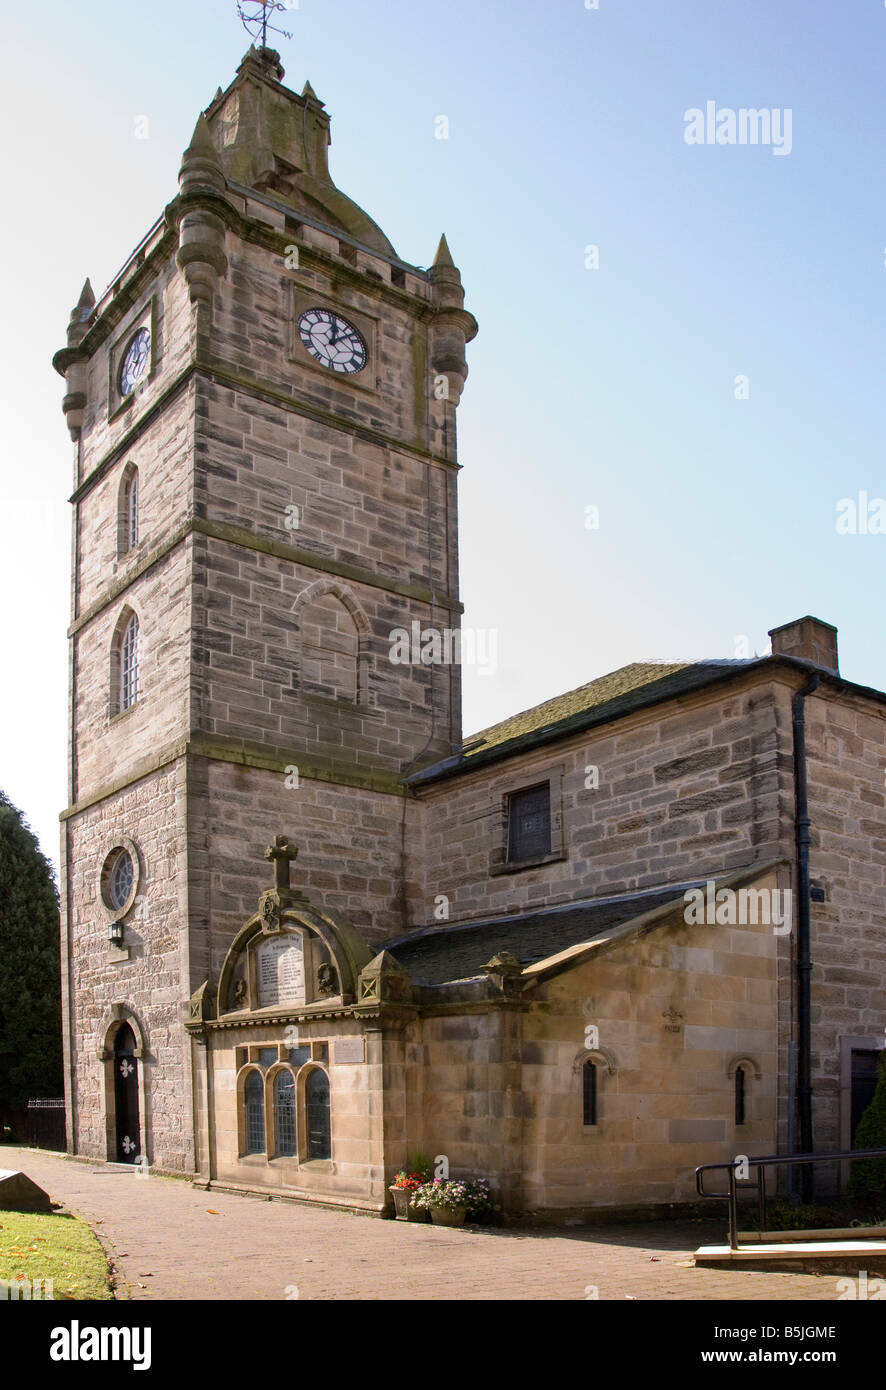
254	1098
284	1114
129	665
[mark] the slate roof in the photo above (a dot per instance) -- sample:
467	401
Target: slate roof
607	697
595	694
435	956
633	687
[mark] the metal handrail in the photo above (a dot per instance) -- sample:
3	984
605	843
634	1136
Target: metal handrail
770	1160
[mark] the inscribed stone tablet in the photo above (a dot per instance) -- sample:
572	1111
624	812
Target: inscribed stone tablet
346	1050
280	967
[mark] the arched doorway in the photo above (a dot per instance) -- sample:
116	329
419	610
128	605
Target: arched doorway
126	1095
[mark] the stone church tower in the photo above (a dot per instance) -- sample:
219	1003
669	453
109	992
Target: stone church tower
263	405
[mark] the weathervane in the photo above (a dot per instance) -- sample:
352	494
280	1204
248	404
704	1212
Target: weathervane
256	22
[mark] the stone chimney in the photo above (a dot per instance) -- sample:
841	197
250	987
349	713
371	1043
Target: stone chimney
809	639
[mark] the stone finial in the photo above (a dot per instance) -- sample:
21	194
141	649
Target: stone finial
266	60
452	327
444	255
504	973
201	167
503	963
201	1005
383	980
72	364
308	91
82	310
201	233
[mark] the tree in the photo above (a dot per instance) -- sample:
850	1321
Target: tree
867	1179
30	971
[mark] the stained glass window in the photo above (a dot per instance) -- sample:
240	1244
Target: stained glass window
284	1114
254	1095
121	879
317	1114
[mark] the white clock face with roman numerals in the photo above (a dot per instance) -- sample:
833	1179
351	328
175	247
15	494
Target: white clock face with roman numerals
333	341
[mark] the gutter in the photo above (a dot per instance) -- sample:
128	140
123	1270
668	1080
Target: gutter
803	826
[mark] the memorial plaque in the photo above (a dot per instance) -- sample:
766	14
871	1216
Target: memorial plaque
345	1050
280	967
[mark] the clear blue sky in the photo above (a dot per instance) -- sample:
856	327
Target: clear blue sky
611	388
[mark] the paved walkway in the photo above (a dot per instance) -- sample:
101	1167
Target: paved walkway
171	1241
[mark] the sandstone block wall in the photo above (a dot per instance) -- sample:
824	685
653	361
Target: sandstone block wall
151	812
695	788
847	766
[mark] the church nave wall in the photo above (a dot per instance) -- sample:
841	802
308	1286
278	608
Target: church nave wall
684	791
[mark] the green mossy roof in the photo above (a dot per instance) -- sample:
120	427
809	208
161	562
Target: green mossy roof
586	697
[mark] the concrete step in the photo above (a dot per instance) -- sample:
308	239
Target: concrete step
795	1237
810	1256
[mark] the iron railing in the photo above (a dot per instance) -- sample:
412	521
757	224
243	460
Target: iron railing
770	1161
46	1124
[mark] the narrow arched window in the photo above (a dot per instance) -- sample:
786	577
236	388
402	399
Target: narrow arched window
131	505
740	1096
129	664
127	511
254	1099
589	1093
317	1115
284	1114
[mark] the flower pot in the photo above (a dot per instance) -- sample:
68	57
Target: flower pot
404	1212
448	1216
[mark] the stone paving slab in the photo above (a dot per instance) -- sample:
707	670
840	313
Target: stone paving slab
172	1241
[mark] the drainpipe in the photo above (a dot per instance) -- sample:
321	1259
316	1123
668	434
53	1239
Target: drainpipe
804	952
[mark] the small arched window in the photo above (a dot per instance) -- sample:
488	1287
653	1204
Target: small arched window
317	1115
129	664
127	511
254	1101
741	1072
589	1093
740	1096
284	1115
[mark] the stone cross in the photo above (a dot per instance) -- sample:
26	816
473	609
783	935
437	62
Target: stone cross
281	852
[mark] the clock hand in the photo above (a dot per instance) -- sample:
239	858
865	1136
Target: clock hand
334	339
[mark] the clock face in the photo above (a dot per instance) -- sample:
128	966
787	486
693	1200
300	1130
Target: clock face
332	340
135	361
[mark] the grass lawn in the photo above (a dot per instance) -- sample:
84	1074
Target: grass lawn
36	1247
